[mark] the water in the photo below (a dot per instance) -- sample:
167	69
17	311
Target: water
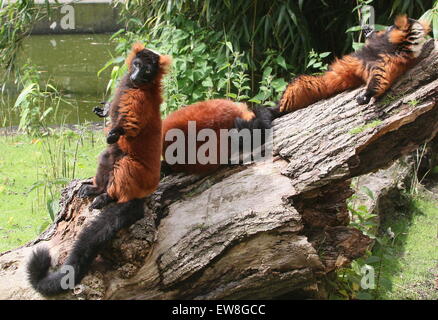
71	62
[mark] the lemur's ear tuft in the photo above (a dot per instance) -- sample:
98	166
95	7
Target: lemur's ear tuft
402	22
136	48
165	63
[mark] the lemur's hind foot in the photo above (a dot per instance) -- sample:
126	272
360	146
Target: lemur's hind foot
101	201
87	190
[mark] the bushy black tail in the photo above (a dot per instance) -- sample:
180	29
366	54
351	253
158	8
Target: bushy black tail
90	241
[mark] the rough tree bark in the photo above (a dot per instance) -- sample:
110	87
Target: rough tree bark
256	231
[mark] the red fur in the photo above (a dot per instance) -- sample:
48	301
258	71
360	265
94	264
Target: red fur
214	114
344	74
361	67
136	173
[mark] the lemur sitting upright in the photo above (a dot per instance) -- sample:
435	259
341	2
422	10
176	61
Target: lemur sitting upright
129	169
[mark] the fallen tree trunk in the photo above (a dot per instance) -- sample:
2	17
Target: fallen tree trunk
257	231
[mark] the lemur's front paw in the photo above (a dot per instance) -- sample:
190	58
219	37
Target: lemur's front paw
114	135
363	99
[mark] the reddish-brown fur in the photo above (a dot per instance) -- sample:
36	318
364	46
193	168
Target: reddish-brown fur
358	68
344	74
137	173
213	114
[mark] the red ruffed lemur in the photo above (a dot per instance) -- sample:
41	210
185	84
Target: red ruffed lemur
129	169
385	56
216	114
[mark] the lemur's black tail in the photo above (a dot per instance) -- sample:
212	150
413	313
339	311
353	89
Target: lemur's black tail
262	120
90	241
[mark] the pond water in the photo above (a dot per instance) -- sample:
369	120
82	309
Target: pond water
71	62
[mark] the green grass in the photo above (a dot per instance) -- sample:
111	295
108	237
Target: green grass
32	172
412	270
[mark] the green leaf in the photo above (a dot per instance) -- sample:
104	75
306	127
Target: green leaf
267	72
207	83
311	62
24	93
354	29
357	45
43	226
23	119
229	46
259	97
368	192
44	115
279	84
109	63
380	27
52	208
281	62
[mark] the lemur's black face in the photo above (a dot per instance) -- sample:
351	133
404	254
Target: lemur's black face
144	67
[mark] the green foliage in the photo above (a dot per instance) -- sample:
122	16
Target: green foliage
236	49
431	16
249	25
411	273
201	69
413	103
316	61
291	28
35	103
31	178
16	21
59	159
347	282
270	89
416	179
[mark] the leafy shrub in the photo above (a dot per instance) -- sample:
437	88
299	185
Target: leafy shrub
36	102
205	65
